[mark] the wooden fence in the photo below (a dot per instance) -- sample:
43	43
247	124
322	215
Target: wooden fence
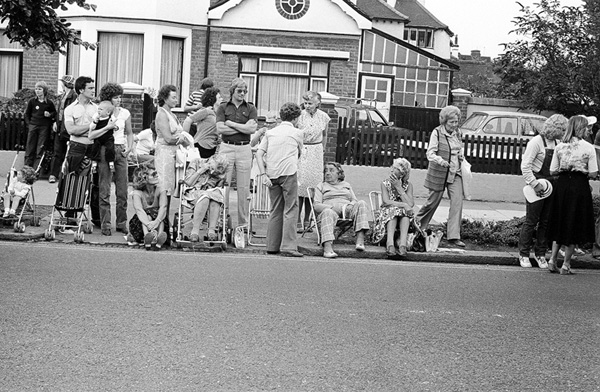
13	132
369	146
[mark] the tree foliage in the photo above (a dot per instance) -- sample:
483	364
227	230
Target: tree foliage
554	63
34	23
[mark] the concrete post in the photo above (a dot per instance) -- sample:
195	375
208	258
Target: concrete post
328	102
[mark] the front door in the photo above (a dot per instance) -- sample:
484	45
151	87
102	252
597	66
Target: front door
378	90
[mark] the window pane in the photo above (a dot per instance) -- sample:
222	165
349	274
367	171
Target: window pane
277	90
318	85
10	64
421	39
171	67
287	67
251	82
249	64
120	58
73	55
319	69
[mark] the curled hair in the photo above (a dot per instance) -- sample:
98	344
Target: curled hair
575	128
221	163
341	175
81	82
289	111
210	97
29	175
312	95
164	92
403	165
140	177
44	87
206	83
237	83
447	112
109	91
554	127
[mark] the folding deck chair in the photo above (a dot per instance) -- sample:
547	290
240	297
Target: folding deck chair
343	223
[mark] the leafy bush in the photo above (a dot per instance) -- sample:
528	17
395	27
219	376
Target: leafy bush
18	103
505	233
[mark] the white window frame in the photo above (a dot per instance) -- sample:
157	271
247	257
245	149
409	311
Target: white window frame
261	71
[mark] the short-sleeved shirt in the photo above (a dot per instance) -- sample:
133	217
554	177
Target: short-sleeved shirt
80	114
194	99
282	145
145	142
120	120
240	114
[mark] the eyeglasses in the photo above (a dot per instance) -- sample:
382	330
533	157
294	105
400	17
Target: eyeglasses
240	91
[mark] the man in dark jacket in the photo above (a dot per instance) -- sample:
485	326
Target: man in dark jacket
62	136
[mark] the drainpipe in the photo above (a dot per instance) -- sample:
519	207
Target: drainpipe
206	47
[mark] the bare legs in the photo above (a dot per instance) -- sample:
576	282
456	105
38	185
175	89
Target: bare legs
566	267
200	209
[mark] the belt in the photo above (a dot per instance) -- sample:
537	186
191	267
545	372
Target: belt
237	143
312	144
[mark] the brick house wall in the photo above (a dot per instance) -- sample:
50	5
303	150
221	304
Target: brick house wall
223	67
39	64
197	63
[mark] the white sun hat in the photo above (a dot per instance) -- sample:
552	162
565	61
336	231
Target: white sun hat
532	196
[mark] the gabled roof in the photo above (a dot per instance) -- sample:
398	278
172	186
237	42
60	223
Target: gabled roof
381	10
419	16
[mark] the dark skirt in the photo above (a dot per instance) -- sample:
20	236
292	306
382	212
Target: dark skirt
136	228
572	211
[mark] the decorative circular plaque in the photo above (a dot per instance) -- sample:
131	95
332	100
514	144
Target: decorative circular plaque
292	9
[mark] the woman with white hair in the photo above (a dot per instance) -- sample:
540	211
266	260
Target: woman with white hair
396	209
445	156
572	218
39	117
535	165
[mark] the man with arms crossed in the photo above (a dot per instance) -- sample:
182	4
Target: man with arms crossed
236	121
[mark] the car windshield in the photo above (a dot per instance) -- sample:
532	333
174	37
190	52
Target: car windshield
474	121
376	117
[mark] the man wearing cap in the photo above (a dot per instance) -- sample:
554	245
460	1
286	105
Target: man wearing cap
236	121
535	166
62	136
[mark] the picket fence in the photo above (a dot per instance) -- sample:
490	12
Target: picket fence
378	146
13	134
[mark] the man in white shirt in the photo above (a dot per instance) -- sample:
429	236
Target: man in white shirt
282	146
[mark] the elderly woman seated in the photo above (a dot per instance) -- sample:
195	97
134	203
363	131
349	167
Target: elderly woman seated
205	179
335	199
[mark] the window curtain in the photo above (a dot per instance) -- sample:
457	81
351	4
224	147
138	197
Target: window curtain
73	55
120	58
171	65
10	64
277	90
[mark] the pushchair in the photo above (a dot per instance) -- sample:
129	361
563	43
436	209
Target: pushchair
73	195
26	210
182	220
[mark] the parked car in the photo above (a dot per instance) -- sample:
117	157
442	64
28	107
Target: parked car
503	124
368	118
512	126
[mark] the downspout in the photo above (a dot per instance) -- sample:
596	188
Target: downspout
207	47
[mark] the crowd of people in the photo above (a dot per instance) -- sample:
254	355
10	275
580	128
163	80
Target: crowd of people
287	156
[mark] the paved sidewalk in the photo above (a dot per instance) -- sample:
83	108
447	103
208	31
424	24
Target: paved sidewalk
496	188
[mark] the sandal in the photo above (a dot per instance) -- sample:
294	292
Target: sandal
390	251
360	247
150	239
552	268
566	271
330	255
212	235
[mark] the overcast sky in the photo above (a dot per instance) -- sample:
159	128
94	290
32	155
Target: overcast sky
481	24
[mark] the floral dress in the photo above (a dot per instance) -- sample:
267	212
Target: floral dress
387	213
310	164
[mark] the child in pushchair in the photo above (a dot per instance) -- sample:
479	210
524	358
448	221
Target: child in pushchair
19	186
204	191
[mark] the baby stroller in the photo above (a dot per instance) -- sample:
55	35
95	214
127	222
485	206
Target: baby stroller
26	210
182	220
73	195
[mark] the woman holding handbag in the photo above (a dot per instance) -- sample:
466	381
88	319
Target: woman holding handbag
445	156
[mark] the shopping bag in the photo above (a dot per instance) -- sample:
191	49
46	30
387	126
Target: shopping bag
467	178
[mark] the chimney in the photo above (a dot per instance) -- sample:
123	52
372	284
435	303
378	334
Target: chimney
475	54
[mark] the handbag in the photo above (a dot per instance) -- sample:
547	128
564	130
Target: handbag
419	239
467	178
